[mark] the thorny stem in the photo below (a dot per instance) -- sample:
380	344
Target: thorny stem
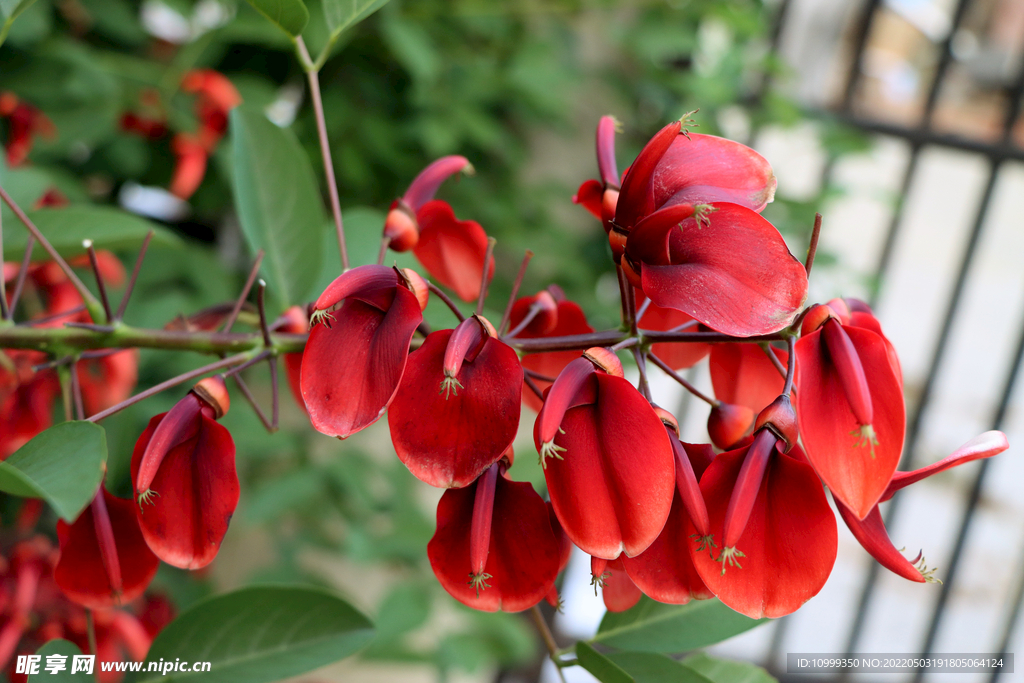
643	309
312	75
684	326
527	319
19	284
135	276
62	339
55	316
253	272
624	344
484	280
679	378
812	248
507	316
90	301
262	355
244	388
446	299
787	389
548	638
174	381
261	304
645	387
65	392
623	288
101	286
536	375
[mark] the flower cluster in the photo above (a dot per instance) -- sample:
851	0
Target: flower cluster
806	398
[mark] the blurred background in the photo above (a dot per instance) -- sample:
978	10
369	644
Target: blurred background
899	120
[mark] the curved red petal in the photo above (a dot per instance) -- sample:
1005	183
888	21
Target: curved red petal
789	545
605	143
612	490
451	250
618	590
636	199
856	474
523	560
423	187
293	370
733	272
80	572
701	169
351	370
571	320
371	283
196	493
873	537
447	439
566	388
589	196
743	374
982	446
665	571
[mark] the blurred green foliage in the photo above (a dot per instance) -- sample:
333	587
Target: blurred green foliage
517	86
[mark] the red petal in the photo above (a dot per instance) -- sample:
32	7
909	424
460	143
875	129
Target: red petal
563	395
636	199
448	439
733	273
742	374
789	543
871	534
423	188
665	571
196	491
982	446
80	573
677	355
613	489
830	430
351	370
606	165
293	369
618	591
372	284
700	169
524	552
571	320
451	250
108	380
589	196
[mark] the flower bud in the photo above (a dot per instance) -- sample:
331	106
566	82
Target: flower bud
631	272
667	419
617	241
546	318
604	359
780	418
841	310
401	227
417	285
214	393
728	423
815	318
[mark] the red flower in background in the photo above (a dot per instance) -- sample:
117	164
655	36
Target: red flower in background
184	479
618	591
104	559
607	460
870	532
850	403
599	197
495	547
678	355
533	317
296	323
457	409
26	398
215	98
24	123
451	250
355	357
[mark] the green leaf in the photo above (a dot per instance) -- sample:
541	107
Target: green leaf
278	203
66	227
725	671
67	649
343	14
63	465
650	667
653	627
290	15
604	669
260	634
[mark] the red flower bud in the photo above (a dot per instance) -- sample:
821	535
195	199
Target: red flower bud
728	423
743	374
780	418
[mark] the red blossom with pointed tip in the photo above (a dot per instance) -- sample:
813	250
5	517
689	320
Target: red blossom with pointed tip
721	263
849	402
357	349
778	538
494	547
457	409
608	463
678	355
184	479
569	319
451	250
870	532
401	226
104	559
599	197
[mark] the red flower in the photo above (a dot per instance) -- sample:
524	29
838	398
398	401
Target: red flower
451	250
742	374
354	361
665	571
183	476
607	460
216	97
24	122
26	398
617	588
870	531
720	263
850	404
776	531
457	408
107	380
297	323
567	318
600	196
104	559
494	548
